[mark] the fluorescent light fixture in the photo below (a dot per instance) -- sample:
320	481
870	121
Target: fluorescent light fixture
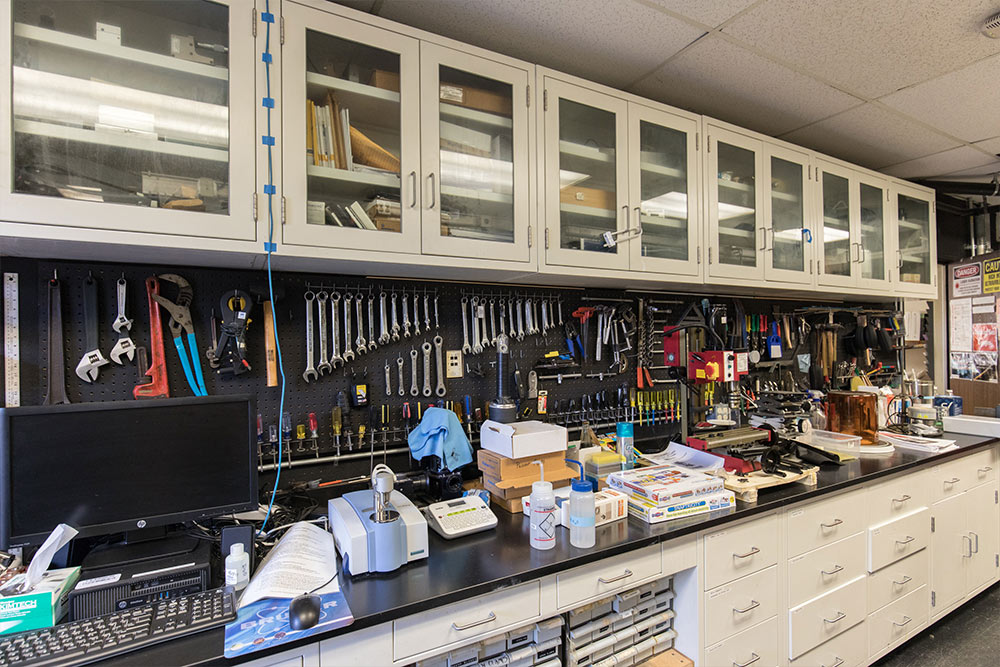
674	205
832	234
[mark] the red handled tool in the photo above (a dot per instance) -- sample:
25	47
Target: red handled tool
158	386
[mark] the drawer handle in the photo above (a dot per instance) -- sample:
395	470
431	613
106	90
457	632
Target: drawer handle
753	605
624	575
835	570
840	661
906	541
753	658
753	550
986	469
906	579
488	619
836	522
901	500
906	620
836	619
953	480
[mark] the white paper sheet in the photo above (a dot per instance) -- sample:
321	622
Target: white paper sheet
960	338
685	457
302	561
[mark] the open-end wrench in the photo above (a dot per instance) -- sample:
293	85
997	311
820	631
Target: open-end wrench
600	335
559	305
388	380
324	366
529	327
372	345
437	324
394	329
426	347
359	341
493	321
56	392
309	374
124	347
406	315
520	320
399	369
427	312
477	346
335	358
383	317
484	333
439	364
348	352
413	372
466	348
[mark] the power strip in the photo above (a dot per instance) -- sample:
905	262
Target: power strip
11	342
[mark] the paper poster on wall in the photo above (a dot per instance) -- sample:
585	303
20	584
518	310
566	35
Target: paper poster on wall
960	330
991	276
984	366
984	337
960	366
967	280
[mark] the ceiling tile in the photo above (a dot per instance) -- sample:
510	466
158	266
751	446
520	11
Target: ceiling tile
871	48
983	174
871	136
718	78
609	42
709	12
991	146
964	103
932	166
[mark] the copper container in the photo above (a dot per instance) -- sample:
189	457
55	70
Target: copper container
853	413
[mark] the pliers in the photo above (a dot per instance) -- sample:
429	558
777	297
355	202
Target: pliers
573	337
180	320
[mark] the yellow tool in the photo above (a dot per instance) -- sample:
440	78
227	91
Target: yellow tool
673	415
631	402
710	393
640	407
338	421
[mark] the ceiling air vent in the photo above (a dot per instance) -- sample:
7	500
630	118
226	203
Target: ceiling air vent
991	27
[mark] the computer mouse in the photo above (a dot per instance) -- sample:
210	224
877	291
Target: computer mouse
303	612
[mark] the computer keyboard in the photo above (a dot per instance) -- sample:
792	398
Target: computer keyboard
88	640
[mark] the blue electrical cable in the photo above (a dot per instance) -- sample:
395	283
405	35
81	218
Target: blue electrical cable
268	140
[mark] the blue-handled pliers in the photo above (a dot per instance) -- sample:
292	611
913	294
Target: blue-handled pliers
180	322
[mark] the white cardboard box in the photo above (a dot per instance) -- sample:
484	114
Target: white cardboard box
972	425
523	439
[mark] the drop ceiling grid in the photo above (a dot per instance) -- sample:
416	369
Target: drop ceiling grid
953	159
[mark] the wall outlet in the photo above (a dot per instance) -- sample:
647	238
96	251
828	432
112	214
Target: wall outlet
454	364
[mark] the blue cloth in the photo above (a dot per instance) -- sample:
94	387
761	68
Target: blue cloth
440	434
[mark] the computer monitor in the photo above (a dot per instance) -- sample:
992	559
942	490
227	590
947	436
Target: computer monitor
105	468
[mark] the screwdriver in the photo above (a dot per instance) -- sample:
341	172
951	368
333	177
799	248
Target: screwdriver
631	404
260	429
286	426
468	415
407	417
338	421
300	432
639	401
385	429
313	426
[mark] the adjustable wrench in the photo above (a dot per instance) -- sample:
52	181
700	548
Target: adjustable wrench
372	345
383	320
334	327
477	346
395	321
324	366
359	342
124	347
413	372
348	352
426	347
93	358
439	359
399	368
427	311
493	322
309	374
406	315
388	383
466	348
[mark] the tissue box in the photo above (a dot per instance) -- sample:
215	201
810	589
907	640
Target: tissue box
516	441
43	606
609	504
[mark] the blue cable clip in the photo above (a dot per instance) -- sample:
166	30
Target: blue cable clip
270	247
267	140
267	102
269	189
267	17
266	57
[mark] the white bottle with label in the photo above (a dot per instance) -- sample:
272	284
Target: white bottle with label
237	567
582	515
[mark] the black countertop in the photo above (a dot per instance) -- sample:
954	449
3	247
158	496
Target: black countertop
470	566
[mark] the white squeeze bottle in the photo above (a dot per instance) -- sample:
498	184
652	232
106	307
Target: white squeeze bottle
237	567
543	513
582	512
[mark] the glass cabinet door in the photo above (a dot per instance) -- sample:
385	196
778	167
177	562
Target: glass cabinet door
734	204
138	106
915	250
586	198
351	134
837	237
873	198
475	156
663	192
789	254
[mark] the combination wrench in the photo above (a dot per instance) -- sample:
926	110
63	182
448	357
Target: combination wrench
309	374
545	315
503	317
395	321
534	316
466	348
559	305
348	352
520	320
439	363
383	317
493	322
413	372
399	368
426	347
477	346
510	315
529	323
324	367
359	342
406	315
372	345
416	315
427	312
335	358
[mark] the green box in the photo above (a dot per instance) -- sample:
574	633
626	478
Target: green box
43	606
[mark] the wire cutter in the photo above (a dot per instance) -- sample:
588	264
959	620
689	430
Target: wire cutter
180	320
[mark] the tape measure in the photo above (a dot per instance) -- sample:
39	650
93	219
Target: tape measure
11	342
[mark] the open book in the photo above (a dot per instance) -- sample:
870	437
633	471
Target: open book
303	561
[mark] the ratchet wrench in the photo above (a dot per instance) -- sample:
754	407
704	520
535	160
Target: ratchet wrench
426	347
477	346
439	358
383	320
413	372
406	315
395	321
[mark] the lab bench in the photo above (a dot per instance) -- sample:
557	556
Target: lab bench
413	613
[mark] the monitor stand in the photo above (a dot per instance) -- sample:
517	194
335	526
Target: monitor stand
147	544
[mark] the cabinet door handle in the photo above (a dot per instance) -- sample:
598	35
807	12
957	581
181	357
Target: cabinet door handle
864	253
901	500
975	535
488	619
968	555
899	258
952	481
413	189
985	469
836	522
753	550
753	605
840	661
753	658
763	239
836	619
908	539
638	223
624	575
430	177
906	620
906	579
835	570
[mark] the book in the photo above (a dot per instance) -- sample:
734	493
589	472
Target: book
331	217
665	484
345	129
304	559
383	207
336	133
346	214
367	152
310	134
359	213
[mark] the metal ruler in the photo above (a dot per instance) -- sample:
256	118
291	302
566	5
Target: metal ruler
11	343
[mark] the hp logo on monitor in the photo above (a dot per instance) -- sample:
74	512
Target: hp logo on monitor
141	523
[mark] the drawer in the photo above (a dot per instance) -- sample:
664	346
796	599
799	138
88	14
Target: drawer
757	646
825	617
467	620
826	568
982	467
894	498
607	576
825	522
896	580
954	477
848	649
896	620
740	550
898	538
735	606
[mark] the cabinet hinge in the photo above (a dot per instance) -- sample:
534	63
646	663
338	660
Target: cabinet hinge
253	22
696	141
810	172
810	267
527	96
253	203
529	235
698	254
996	497
546	238
281	31
996	560
545	100
709	254
932	524
933	598
708	147
282	209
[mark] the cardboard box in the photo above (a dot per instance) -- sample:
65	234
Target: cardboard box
43	606
674	658
515	489
592	197
523	439
497	466
385	80
475	98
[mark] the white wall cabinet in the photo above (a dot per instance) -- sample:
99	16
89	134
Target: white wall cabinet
789	246
915	240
